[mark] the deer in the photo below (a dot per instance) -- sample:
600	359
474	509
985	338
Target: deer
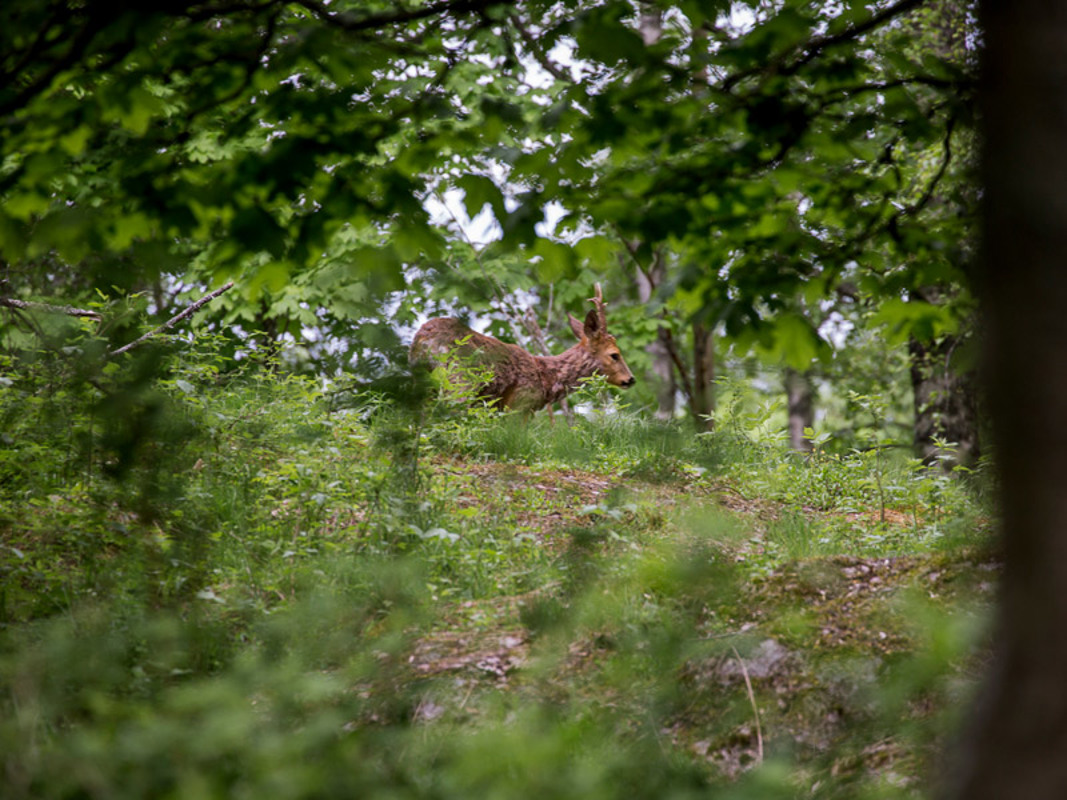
518	380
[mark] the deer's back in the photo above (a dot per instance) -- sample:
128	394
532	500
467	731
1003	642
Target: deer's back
515	381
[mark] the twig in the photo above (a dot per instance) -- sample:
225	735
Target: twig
539	52
170	323
755	708
29	305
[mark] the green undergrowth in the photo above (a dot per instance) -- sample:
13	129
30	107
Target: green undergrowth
217	580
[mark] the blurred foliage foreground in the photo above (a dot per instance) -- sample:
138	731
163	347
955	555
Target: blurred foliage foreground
229	583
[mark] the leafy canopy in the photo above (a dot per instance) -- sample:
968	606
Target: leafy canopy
779	150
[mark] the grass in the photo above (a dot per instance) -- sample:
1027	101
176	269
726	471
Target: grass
257	592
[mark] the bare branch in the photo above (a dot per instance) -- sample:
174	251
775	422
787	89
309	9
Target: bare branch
29	305
170	323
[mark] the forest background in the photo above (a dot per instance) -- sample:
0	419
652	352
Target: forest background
780	198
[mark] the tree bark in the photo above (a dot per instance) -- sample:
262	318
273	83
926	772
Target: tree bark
650	25
945	401
800	400
1018	741
702	402
662	372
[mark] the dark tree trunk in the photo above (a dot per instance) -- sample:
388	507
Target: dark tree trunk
1018	741
702	401
946	407
269	334
944	398
800	399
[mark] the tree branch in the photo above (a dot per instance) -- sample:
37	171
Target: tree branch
683	371
30	305
538	52
170	323
817	45
946	159
848	93
351	23
75	51
928	193
252	65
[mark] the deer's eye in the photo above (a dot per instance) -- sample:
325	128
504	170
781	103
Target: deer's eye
614	356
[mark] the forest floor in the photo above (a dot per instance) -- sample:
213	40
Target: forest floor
816	651
474	606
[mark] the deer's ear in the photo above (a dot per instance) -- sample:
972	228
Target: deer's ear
576	326
592	325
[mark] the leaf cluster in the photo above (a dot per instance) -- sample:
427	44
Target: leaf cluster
779	152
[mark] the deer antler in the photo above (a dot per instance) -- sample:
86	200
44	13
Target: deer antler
598	301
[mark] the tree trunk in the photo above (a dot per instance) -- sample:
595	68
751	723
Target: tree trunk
800	399
1017	745
702	401
945	401
661	376
650	24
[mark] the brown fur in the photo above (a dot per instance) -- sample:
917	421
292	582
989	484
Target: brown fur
521	380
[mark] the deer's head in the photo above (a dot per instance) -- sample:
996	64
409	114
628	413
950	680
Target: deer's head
594	337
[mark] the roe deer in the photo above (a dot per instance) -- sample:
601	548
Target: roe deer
521	380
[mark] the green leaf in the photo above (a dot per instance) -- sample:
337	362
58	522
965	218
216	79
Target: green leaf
478	191
380	267
23	205
556	260
129	228
137	109
908	318
12	239
597	251
795	342
602	37
73	142
273	275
